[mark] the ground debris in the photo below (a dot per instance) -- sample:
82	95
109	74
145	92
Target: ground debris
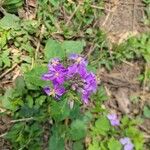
122	84
122	98
123	19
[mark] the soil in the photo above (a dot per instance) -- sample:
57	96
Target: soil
4	127
123	18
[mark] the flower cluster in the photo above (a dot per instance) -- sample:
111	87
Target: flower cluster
126	142
75	74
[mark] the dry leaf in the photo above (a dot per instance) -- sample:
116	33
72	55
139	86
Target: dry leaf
123	100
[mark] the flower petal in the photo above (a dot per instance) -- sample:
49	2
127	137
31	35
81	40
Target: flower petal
47	90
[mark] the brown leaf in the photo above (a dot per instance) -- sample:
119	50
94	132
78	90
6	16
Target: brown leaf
123	101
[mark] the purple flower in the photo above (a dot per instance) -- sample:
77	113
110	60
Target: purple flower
76	74
90	82
47	90
113	119
55	61
126	142
54	64
76	69
78	59
85	97
89	86
57	75
56	92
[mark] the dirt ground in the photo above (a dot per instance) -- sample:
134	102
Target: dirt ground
123	18
4	127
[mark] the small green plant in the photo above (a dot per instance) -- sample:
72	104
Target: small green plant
107	137
12	6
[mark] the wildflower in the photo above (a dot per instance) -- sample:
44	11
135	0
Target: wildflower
89	86
85	96
76	74
54	64
78	67
78	59
90	82
57	75
113	119
47	90
126	142
56	92
87	82
55	61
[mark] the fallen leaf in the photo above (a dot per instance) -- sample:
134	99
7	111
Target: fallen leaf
123	100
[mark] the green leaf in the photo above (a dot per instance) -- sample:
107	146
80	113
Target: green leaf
102	126
125	121
147	111
78	130
94	146
101	94
40	100
78	145
27	47
114	144
29	100
33	77
5	58
20	86
56	143
73	46
9	21
13	5
3	39
60	110
9	101
87	117
53	49
26	111
55	2
6	101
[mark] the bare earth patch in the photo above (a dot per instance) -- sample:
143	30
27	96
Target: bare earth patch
4	127
123	18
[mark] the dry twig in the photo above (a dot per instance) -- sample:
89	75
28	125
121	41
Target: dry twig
39	42
73	14
22	120
9	70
